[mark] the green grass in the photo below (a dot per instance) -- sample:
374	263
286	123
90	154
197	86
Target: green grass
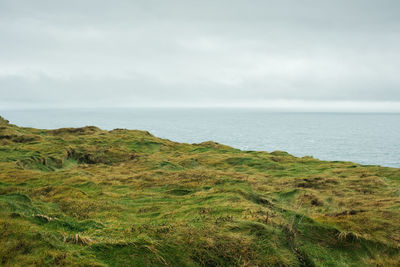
89	197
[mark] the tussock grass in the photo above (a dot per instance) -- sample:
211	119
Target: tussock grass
89	197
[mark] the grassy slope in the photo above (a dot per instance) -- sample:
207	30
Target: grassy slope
126	198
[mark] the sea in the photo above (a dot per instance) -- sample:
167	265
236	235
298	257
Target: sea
365	138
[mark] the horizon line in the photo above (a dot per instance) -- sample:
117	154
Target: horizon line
281	105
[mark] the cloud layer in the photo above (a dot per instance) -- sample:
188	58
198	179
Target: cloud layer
199	53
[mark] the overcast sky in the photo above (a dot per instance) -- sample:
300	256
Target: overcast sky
342	54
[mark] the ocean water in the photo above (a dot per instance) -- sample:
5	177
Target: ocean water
372	139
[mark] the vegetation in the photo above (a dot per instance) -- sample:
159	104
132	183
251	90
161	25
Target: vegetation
90	197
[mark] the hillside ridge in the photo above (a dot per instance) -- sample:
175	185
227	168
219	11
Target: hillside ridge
90	197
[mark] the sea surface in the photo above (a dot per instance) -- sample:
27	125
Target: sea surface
366	138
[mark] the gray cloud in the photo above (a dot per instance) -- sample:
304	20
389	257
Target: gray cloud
131	53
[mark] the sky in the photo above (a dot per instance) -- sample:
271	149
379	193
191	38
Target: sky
341	55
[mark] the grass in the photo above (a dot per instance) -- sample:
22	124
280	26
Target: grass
89	197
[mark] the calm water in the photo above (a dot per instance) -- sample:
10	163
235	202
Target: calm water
363	138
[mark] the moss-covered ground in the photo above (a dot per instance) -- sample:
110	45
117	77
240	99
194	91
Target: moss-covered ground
90	197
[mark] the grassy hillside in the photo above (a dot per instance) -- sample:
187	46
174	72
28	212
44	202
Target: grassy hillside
91	197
